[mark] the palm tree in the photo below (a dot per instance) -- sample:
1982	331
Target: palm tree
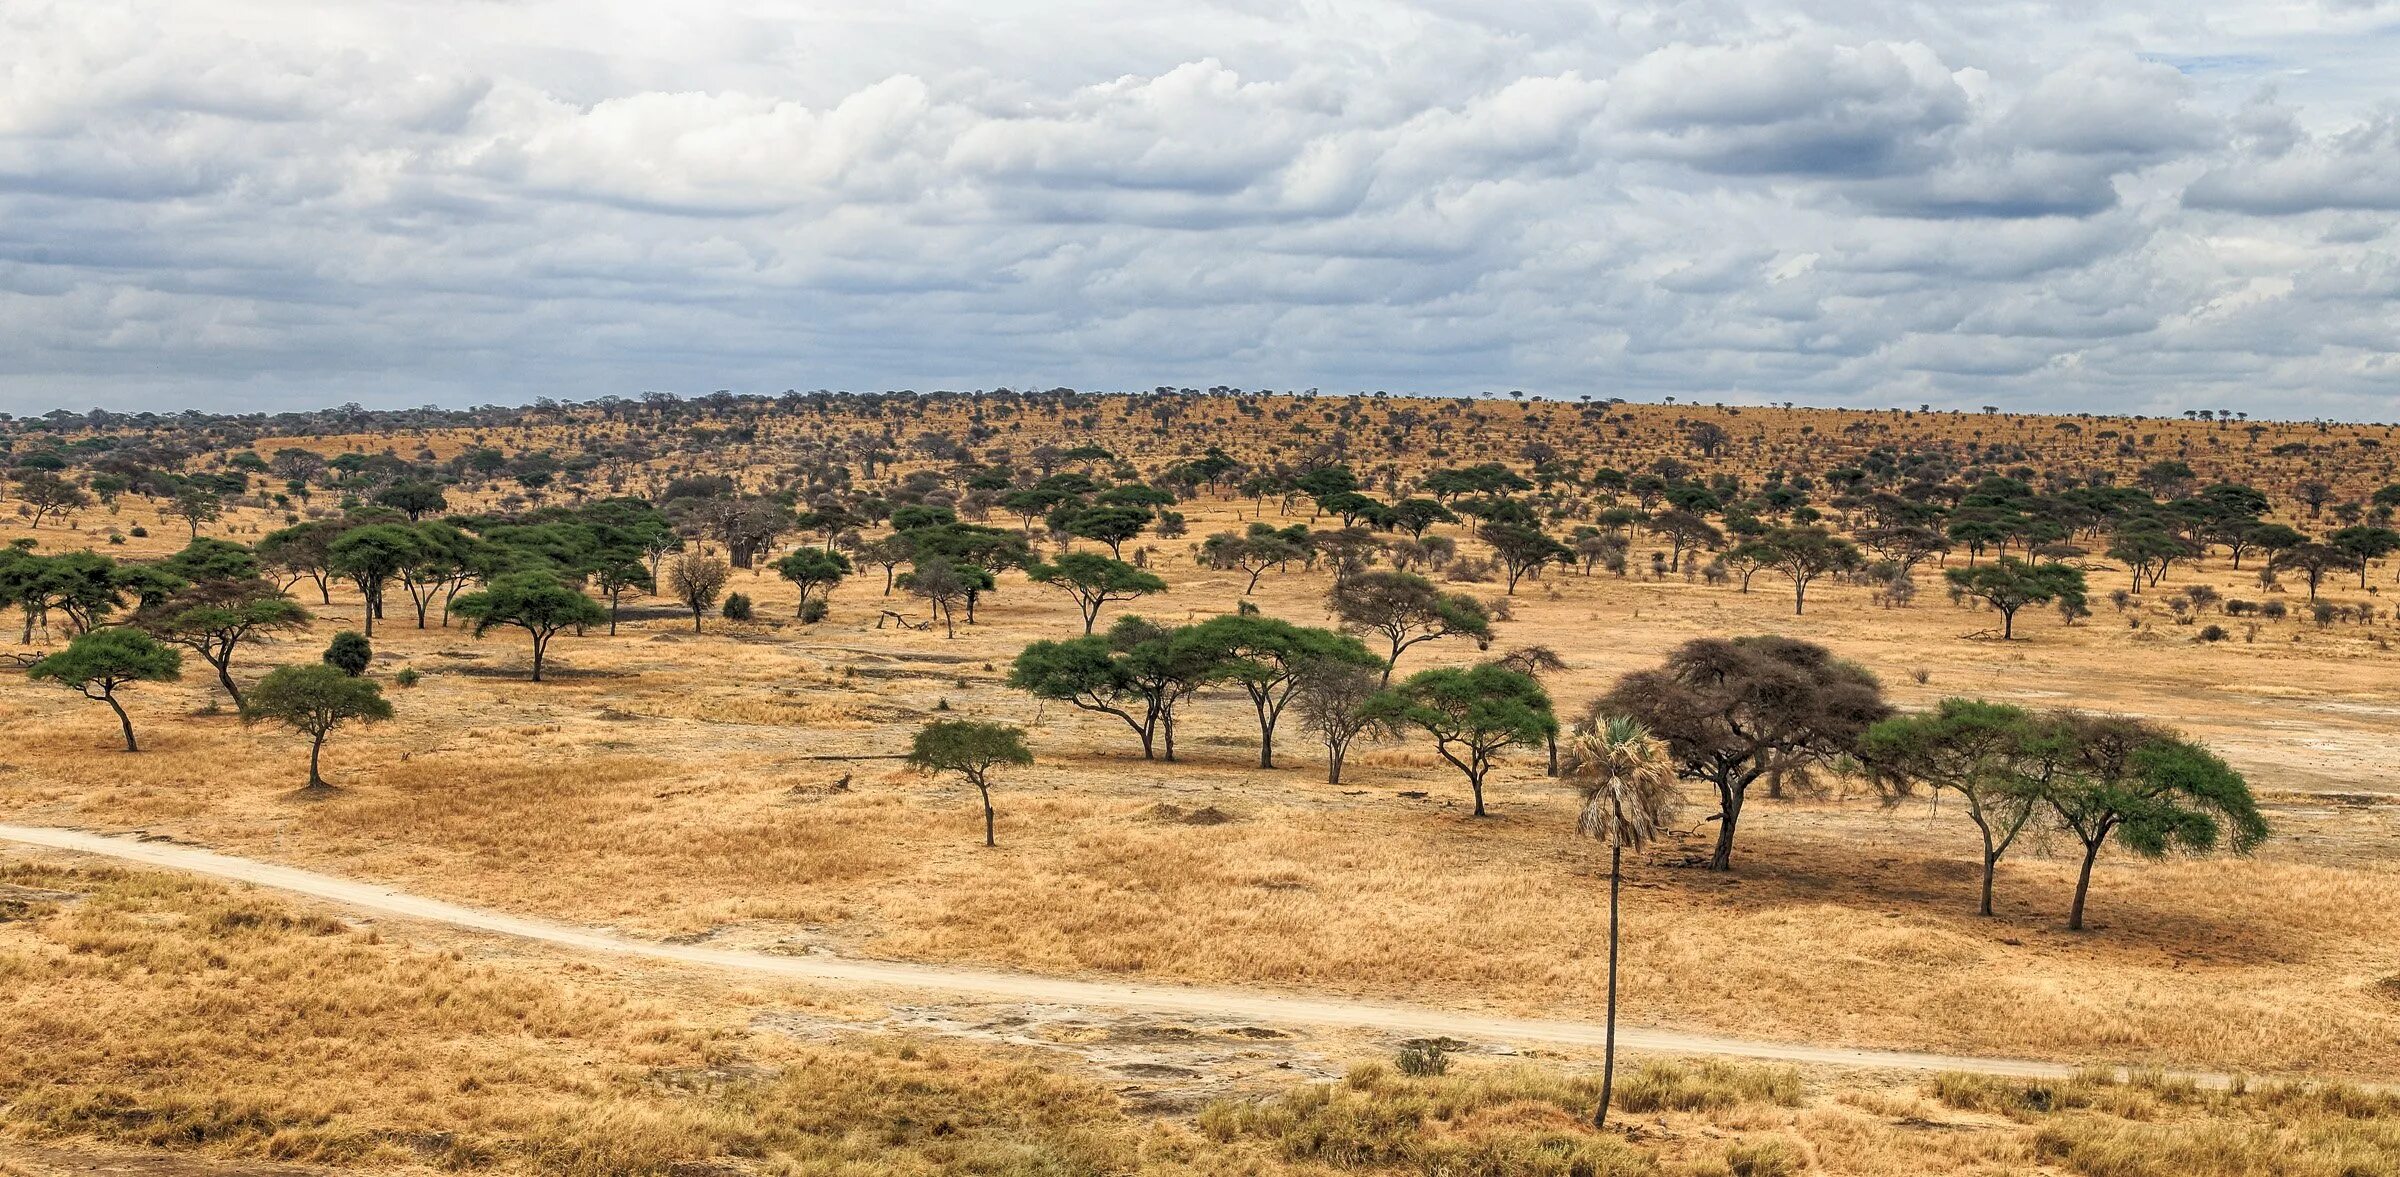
1629	797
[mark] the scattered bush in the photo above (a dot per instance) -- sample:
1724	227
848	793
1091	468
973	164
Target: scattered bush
350	653
737	607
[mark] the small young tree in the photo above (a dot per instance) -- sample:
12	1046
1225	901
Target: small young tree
696	579
1407	609
102	662
1473	715
350	652
1094	580
535	602
971	750
214	618
315	700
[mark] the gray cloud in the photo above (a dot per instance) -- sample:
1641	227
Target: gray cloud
269	202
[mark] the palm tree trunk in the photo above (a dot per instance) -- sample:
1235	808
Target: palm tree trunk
1608	1050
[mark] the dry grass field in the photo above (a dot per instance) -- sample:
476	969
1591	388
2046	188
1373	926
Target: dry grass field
739	786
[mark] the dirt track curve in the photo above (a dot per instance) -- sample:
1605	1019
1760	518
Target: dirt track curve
994	985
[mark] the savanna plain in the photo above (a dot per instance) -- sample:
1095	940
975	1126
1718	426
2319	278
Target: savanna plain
737	775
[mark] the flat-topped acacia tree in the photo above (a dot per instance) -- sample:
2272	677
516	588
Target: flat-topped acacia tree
1473	714
536	602
1094	580
314	700
1732	710
972	750
102	662
215	617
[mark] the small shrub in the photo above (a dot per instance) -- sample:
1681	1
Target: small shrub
737	607
140	532
2213	633
350	652
408	676
1420	1059
812	611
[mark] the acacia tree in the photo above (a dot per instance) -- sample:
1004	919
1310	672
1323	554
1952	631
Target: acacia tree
214	617
2150	790
196	507
1136	672
2008	584
696	578
1523	550
1733	710
2313	561
943	585
371	556
302	551
314	700
1473	714
1804	554
1094	580
101	662
1263	548
1407	609
46	494
535	602
1332	698
1999	759
1269	658
816	571
971	750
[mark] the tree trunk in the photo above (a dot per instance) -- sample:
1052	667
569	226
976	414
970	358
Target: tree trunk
538	643
986	790
225	679
315	747
1729	803
123	720
1991	866
2083	883
1475	782
1608	1050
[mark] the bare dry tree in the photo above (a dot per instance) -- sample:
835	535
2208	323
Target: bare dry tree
1629	799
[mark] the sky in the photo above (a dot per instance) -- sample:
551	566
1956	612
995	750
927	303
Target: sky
2147	206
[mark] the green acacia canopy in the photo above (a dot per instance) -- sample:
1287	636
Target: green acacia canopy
102	662
536	602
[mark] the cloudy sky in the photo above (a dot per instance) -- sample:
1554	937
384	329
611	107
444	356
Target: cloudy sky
271	204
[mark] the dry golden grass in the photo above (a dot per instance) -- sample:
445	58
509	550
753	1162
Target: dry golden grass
140	1010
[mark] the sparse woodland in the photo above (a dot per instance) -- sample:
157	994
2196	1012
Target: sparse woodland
2053	737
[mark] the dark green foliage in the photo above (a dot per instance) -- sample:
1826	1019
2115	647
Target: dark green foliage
350	652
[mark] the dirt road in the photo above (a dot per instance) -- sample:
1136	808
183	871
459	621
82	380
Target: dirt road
992	985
